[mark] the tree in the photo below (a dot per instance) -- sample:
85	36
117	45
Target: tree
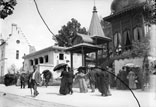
69	32
141	48
6	7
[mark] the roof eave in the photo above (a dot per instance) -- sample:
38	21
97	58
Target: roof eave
109	18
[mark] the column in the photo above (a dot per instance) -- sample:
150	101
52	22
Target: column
71	58
83	57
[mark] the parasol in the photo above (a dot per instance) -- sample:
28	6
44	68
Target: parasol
130	65
59	66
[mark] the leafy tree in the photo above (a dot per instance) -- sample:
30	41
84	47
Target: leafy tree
6	7
141	48
68	33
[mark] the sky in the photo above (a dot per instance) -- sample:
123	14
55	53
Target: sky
56	13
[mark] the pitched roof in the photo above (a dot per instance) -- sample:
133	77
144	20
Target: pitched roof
85	38
95	29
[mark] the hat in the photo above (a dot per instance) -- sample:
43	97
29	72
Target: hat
81	68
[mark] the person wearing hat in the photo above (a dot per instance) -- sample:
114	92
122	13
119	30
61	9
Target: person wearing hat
34	80
80	76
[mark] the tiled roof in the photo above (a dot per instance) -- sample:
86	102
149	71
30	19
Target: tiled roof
86	38
95	29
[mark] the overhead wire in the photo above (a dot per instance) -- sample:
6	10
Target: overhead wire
46	23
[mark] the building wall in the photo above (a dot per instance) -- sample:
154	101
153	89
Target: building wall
56	56
128	21
15	42
138	62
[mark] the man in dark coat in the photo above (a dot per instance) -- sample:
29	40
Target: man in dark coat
22	80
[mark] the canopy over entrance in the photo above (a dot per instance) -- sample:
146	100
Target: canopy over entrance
84	47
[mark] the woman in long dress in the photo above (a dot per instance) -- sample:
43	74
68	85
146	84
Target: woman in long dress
131	77
81	80
102	81
64	82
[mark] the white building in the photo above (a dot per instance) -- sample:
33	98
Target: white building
48	58
12	50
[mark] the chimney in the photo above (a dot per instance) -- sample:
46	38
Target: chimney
13	28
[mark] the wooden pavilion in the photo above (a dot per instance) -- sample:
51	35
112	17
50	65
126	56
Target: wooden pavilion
86	44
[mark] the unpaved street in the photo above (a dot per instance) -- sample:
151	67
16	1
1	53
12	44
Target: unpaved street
10	100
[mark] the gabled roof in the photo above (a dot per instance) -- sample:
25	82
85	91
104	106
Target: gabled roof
95	29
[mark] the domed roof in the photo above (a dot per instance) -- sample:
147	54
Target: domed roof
119	5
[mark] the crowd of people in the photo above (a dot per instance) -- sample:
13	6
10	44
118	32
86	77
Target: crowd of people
94	77
97	77
85	78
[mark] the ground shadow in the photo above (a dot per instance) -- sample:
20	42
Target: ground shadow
54	93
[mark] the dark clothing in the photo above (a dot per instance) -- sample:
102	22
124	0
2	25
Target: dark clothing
32	83
102	82
70	77
22	80
91	77
10	79
47	75
64	83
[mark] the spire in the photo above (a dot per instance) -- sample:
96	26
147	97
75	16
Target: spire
95	26
94	9
95	29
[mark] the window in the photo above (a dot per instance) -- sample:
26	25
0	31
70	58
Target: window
138	33
41	59
61	56
117	39
117	42
46	58
31	62
36	61
17	54
127	40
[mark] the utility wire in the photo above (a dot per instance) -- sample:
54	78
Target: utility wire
42	18
46	23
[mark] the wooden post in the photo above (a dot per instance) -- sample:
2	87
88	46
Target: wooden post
96	58
83	57
71	57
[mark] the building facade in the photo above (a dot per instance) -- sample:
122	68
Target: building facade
48	58
130	21
12	50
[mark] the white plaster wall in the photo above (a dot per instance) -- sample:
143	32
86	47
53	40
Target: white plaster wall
12	46
120	63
